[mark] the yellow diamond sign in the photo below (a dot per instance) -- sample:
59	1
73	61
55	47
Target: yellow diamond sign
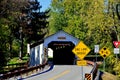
104	52
81	50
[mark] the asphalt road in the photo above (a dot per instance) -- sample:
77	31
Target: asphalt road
63	72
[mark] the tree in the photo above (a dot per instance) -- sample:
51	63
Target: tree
82	18
21	21
38	26
8	13
94	21
32	24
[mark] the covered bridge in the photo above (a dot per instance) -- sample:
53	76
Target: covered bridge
57	46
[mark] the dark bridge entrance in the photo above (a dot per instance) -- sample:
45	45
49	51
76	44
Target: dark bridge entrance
62	52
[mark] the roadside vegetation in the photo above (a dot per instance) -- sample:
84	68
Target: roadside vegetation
95	22
21	23
91	21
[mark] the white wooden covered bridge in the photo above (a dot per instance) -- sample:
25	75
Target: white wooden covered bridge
57	46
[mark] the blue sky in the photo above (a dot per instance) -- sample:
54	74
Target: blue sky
45	4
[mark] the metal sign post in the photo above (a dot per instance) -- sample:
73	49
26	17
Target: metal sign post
81	50
82	63
82	72
116	52
104	64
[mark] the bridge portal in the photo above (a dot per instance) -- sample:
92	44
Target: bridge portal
62	52
61	44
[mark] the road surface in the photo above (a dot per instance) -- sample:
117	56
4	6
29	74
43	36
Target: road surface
63	72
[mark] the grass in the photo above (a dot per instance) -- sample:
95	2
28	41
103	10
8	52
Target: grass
16	60
12	62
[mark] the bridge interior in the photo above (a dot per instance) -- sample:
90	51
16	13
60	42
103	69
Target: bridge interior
62	52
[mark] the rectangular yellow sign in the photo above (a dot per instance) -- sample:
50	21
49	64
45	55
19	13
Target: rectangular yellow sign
82	63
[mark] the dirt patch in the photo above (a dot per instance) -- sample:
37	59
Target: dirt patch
108	76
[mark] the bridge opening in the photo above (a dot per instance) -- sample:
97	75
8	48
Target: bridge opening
62	52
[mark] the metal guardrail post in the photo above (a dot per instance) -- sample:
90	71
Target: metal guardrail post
94	70
91	76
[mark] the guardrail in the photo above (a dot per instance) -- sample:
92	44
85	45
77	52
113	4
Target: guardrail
12	67
21	71
94	70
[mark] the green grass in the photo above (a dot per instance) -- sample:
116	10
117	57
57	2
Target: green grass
12	62
16	60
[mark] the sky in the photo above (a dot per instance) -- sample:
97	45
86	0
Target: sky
45	4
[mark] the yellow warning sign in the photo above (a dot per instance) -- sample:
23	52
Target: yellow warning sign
81	62
104	52
81	50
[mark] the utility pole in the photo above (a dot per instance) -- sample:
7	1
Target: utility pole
21	35
21	43
118	15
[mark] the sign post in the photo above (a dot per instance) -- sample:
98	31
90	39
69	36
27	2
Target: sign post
104	52
81	50
116	50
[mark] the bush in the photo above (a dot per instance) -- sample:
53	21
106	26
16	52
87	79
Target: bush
3	60
117	68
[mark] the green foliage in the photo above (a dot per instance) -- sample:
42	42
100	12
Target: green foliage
3	60
112	65
84	19
14	15
110	62
91	21
10	12
117	68
16	60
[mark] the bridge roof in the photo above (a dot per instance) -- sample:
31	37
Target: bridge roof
60	36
